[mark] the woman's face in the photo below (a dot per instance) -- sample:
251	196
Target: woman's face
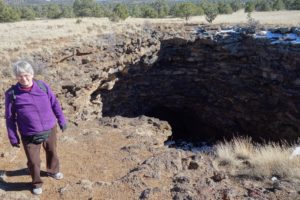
25	79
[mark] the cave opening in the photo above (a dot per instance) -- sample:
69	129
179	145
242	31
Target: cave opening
210	90
187	126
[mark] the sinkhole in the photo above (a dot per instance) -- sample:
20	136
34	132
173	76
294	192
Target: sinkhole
210	89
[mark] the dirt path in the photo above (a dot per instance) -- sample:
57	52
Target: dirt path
94	159
89	156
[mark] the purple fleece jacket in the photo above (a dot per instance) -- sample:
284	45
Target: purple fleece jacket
31	112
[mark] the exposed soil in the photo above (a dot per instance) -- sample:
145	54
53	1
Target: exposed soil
123	158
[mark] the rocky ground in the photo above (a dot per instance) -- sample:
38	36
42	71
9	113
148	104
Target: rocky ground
125	158
118	157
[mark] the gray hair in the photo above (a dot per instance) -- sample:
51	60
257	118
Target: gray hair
22	67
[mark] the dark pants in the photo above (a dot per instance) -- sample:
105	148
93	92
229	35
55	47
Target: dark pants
32	152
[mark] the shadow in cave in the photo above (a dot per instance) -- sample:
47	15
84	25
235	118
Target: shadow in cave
204	92
141	91
186	125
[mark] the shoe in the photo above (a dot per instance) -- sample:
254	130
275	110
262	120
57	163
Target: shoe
37	191
57	175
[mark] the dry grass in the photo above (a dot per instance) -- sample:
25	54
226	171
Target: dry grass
291	18
21	34
242	157
43	33
22	39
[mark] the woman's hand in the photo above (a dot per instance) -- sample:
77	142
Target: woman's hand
63	127
17	145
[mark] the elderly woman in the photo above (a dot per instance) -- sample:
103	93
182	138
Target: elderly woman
33	110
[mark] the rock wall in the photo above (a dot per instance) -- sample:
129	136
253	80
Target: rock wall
219	85
206	82
77	73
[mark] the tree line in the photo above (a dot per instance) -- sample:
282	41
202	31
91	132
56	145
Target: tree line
267	5
156	9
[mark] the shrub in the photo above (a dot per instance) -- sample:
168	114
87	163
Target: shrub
236	5
211	12
161	7
27	13
54	11
250	6
67	12
78	21
187	10
120	11
278	5
149	12
174	11
224	8
253	24
114	18
199	10
7	13
263	6
40	11
84	8
296	5
136	11
98	11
